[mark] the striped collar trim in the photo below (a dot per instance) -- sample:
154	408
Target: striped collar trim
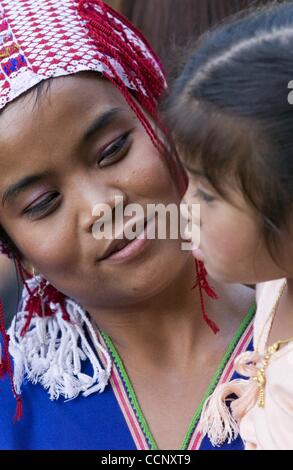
128	402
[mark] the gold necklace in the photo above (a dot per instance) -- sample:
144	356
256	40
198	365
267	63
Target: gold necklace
260	377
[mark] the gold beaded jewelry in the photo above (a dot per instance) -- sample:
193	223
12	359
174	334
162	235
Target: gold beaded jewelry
260	378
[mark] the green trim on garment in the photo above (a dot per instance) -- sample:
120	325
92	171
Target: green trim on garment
130	391
133	398
214	382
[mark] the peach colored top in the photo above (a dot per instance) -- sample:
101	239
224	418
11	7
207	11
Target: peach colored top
270	427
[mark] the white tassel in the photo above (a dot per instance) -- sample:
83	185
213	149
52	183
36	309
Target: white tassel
220	423
52	351
216	419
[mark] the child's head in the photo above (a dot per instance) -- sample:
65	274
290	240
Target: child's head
233	125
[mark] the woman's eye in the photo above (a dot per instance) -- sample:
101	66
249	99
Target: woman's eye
42	207
204	196
115	150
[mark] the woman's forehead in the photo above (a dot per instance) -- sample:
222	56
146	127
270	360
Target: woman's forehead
37	138
65	103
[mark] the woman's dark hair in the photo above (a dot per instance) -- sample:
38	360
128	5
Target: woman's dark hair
230	114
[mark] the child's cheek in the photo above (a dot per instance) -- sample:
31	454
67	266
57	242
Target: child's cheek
228	242
215	232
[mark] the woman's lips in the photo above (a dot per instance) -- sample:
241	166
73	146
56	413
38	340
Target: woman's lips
131	249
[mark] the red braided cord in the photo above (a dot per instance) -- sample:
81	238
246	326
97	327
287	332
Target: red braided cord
203	284
102	30
132	52
137	32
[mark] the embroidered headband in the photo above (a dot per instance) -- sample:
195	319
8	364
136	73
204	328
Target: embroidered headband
40	39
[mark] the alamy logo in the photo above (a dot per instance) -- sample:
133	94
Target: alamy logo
153	221
290	96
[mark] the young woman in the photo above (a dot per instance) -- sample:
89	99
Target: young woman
96	316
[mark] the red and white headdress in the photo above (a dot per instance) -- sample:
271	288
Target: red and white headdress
40	39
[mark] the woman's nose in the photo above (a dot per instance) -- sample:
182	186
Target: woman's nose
101	205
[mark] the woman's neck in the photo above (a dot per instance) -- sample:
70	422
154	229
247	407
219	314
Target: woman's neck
159	328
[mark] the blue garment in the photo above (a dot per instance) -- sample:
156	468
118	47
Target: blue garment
92	423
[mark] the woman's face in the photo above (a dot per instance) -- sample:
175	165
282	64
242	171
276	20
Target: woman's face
80	146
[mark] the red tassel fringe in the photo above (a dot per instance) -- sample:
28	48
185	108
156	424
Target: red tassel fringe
103	30
203	285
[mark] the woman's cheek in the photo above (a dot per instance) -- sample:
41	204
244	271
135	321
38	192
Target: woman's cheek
153	182
150	178
166	183
51	248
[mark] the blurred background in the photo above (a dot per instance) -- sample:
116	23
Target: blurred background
170	26
173	24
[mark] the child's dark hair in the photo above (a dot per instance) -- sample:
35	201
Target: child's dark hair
230	114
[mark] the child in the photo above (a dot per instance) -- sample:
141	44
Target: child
233	125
